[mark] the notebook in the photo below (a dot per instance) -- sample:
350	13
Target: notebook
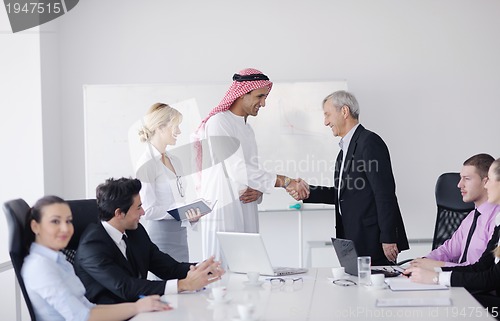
348	258
179	213
405	284
413	302
245	252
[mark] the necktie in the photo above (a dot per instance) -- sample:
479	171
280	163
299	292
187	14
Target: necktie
130	256
469	236
338	166
340	169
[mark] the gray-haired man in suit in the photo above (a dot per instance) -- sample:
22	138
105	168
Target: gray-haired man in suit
364	191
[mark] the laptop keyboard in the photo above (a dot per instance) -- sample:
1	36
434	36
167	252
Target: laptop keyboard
286	270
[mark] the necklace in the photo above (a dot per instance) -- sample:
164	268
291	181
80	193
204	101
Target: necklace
166	161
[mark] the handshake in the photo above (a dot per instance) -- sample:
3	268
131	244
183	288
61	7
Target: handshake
298	189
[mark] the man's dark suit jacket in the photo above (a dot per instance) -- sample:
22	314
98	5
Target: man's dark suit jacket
370	210
482	278
484	275
108	277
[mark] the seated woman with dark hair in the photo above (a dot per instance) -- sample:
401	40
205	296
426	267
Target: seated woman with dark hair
52	285
482	278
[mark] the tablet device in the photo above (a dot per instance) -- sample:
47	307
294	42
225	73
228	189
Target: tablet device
179	213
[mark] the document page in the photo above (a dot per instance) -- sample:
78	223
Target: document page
413	302
404	284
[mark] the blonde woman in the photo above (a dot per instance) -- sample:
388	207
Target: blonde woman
163	184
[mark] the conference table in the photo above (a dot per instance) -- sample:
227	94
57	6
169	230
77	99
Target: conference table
315	297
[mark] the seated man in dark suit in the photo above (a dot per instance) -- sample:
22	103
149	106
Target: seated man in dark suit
114	257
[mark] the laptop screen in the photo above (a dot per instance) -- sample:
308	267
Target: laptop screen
245	252
347	255
348	258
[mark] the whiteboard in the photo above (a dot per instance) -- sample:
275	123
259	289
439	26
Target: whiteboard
290	134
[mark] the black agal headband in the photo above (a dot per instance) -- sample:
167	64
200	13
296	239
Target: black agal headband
251	77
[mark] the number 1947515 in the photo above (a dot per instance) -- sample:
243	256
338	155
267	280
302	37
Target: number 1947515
33	7
471	312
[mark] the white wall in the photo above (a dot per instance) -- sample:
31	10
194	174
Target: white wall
21	164
51	111
425	72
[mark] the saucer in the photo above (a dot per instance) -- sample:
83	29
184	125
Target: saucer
258	283
223	301
377	287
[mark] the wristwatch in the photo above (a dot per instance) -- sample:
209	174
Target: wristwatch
287	182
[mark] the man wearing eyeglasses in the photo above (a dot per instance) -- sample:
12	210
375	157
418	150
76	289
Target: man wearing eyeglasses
236	180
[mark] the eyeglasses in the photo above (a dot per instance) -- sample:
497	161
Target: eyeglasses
179	186
344	282
278	282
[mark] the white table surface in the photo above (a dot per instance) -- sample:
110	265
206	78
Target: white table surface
316	299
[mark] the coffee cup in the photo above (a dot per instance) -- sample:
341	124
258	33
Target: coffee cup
253	277
246	311
338	272
377	280
219	293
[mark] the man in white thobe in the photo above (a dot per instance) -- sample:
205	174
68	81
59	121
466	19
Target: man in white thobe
236	180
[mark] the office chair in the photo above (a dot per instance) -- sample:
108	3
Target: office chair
16	212
84	213
451	209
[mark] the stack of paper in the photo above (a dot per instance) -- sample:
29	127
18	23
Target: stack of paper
405	284
413	302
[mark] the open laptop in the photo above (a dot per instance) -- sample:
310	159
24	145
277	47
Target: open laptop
348	258
245	252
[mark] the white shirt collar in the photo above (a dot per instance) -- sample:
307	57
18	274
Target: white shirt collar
237	117
346	140
46	252
155	153
115	235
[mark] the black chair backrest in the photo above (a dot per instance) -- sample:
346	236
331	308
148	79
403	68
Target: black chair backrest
16	212
451	209
84	213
